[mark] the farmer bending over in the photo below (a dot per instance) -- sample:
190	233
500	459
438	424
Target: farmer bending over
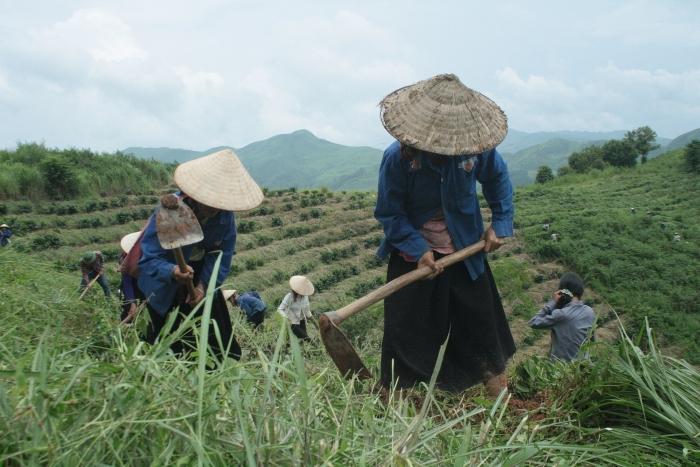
92	263
567	317
250	303
213	186
428	206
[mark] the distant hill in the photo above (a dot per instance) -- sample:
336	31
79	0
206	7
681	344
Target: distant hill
523	164
299	159
677	142
518	140
302	160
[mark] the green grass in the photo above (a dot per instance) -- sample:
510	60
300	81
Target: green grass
75	389
626	257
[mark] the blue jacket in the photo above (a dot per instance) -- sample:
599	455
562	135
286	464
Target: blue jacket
251	303
156	264
410	194
5	237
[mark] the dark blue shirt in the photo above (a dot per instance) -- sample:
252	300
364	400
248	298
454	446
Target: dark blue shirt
156	264
410	193
251	303
5	237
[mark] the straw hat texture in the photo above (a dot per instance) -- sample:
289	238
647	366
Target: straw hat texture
129	241
220	181
228	293
443	116
301	285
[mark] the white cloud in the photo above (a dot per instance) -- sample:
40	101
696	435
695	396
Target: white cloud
608	98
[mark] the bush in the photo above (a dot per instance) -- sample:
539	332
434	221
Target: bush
298	231
3	209
123	217
263	239
304	216
24	208
315	213
544	175
276	222
91	206
45	241
691	155
246	226
253	263
287	207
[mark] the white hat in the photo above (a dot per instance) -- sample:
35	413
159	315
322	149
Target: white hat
443	116
4	225
228	294
301	285
220	181
129	241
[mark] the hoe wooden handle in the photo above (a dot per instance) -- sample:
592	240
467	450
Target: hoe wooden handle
88	286
183	269
381	293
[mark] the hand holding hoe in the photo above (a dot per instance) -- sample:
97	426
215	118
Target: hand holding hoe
337	343
88	286
177	226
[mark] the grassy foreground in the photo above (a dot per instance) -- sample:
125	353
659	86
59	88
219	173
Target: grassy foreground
101	397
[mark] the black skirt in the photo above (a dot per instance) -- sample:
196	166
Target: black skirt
418	318
187	343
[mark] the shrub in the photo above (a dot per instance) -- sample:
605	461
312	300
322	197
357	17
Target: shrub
103	193
298	231
315	213
246	226
691	155
544	175
102	205
45	241
3	209
253	263
276	222
374	261
304	216
264	239
91	206
24	208
287	207
123	217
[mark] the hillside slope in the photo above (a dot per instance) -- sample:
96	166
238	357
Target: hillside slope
628	258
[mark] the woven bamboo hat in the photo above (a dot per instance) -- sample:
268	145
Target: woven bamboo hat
220	181
4	225
443	116
301	285
129	241
228	293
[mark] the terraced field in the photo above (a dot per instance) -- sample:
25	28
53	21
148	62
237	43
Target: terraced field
331	237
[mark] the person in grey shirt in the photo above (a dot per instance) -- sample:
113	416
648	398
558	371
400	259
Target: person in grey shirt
568	318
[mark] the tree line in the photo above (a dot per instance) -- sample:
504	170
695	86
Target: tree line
616	153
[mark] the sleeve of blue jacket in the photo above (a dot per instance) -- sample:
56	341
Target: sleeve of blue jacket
391	210
227	246
493	175
156	261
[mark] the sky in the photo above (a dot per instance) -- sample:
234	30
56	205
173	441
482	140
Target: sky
108	75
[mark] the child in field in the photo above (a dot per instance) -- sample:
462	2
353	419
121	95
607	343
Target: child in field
295	306
568	318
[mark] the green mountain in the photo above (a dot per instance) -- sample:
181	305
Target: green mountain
518	140
523	164
677	143
299	159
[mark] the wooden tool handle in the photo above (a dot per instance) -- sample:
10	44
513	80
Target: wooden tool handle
88	286
183	269
381	293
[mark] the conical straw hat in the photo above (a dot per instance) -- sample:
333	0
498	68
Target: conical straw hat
443	116
301	285
220	181
129	241
228	294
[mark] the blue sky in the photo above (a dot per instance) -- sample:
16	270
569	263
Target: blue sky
108	75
